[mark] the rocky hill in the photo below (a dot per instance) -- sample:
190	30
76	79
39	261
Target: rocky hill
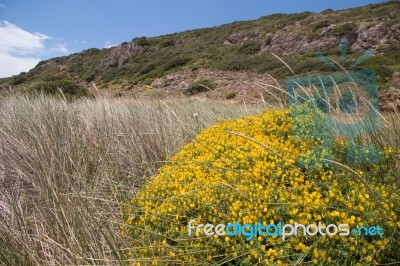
234	59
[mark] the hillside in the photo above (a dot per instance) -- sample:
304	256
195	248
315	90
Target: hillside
186	149
170	64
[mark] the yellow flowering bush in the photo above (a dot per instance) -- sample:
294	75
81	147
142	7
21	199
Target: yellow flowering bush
245	171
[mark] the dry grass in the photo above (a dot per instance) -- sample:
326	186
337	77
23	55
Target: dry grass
65	166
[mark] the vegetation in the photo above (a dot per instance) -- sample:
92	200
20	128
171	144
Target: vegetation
245	171
321	24
201	85
64	88
230	95
343	29
270	168
142	41
250	47
65	167
68	168
204	48
116	181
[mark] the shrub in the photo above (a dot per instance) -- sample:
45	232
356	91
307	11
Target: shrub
175	62
391	50
142	41
268	39
53	78
147	68
110	75
305	64
321	24
343	29
17	80
90	77
250	47
380	65
118	94
222	177
201	86
91	51
167	42
230	95
68	88
234	63
327	11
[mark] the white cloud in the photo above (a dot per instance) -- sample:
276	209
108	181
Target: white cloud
16	40
11	65
61	47
18	49
108	44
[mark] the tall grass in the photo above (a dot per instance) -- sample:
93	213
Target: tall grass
65	166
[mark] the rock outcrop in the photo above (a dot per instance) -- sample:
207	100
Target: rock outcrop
235	86
390	100
118	54
291	40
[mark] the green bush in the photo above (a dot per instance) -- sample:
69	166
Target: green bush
343	29
233	63
230	95
381	65
327	11
392	50
250	47
147	68
90	77
68	88
167	42
110	75
201	86
16	80
175	62
321	24
52	78
118	94
142	41
306	65
268	39
91	51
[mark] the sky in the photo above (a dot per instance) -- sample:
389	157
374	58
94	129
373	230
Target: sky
31	31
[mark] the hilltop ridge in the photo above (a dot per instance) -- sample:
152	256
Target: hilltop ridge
146	66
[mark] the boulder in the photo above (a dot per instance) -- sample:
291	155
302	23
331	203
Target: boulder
390	101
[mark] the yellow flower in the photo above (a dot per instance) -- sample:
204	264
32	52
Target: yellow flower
247	171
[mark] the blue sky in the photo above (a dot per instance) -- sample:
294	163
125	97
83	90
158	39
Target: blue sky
40	29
